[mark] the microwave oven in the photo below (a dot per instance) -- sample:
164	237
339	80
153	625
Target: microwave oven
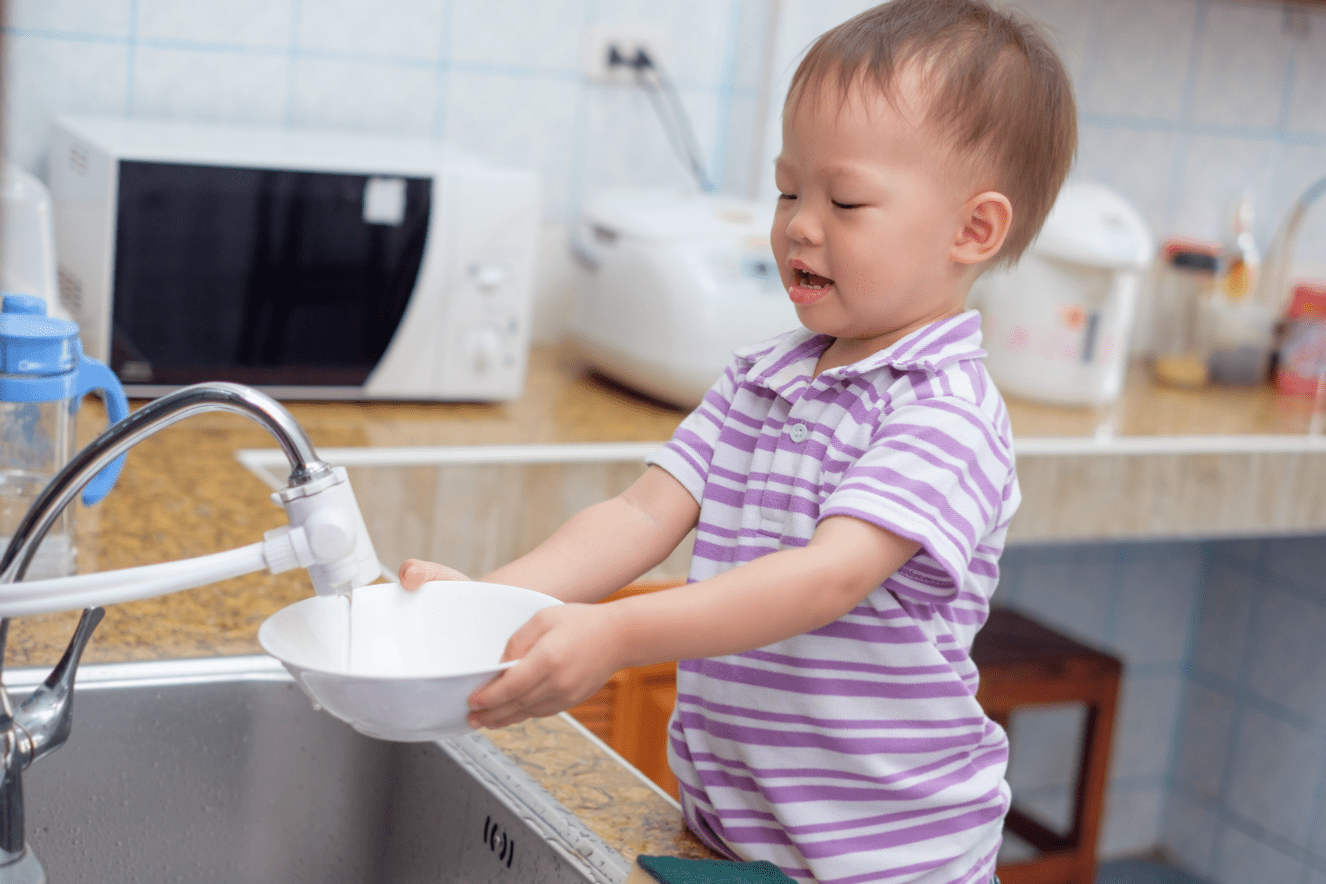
312	265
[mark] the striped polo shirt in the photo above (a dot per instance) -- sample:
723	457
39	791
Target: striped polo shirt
856	752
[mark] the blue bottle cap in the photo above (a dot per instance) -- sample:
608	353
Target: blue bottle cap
32	343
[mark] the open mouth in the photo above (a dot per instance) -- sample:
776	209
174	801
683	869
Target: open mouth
808	280
807	287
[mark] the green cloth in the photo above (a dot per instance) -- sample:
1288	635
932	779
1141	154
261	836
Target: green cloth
672	870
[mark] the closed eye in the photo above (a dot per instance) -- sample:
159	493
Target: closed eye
787	196
839	205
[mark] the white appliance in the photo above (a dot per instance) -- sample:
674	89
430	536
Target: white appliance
673	283
1057	325
309	264
27	238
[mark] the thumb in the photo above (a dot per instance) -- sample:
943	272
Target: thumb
416	572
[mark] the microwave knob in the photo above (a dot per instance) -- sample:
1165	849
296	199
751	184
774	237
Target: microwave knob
488	277
484	349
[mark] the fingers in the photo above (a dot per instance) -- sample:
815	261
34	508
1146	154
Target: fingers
414	573
557	667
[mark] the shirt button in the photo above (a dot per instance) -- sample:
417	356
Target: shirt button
798	432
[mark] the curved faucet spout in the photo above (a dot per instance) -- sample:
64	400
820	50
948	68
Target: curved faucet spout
305	466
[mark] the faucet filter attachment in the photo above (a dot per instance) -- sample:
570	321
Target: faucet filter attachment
326	535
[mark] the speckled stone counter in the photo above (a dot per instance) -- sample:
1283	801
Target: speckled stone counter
183	493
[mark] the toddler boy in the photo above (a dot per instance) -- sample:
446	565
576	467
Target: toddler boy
850	482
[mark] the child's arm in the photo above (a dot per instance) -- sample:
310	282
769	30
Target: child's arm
597	551
567	653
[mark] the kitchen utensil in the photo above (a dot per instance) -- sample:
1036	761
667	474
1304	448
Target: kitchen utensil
399	665
43	379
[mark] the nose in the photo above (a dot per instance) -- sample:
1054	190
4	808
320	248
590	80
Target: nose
802	224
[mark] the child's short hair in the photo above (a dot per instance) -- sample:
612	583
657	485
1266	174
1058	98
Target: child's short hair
996	89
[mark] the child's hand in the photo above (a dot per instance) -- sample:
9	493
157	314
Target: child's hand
565	654
414	573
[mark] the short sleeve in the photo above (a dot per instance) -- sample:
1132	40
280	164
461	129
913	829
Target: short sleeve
936	472
688	455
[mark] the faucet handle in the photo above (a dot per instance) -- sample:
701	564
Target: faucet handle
47	715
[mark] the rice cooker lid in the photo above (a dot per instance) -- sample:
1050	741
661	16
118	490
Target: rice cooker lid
1093	225
655	216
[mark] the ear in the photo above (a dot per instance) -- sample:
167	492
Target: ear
985	223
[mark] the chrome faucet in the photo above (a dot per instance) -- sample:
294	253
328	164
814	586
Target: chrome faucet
1273	287
331	543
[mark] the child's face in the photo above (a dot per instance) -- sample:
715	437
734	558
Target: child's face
869	211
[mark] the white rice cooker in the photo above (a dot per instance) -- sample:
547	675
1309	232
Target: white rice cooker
1057	326
672	284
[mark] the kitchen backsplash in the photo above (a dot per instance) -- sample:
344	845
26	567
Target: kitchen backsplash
1184	103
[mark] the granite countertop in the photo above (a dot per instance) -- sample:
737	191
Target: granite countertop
183	493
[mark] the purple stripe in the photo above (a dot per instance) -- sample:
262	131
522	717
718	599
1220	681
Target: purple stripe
831	723
831	687
843	745
845	665
768	773
883	819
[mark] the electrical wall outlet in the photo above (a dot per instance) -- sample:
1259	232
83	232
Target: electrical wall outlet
627	40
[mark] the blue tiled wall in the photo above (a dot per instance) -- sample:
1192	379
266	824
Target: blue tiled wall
1249	780
1220	745
1138	601
502	77
1184	103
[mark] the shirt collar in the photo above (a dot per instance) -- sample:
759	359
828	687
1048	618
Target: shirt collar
786	364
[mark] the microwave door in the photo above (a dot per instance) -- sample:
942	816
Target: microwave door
273	278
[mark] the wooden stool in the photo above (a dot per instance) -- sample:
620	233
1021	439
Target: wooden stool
1022	664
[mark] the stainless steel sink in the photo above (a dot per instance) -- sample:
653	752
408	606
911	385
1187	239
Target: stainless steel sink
221	770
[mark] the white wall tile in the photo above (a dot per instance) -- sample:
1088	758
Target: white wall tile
1206	741
1132	822
625	144
699	33
1138	164
1274	775
536	129
1306	110
413	29
1241	66
109	18
546	36
364	96
1068	25
1216	170
201	86
1285	664
1241	859
250	23
1139	58
46	78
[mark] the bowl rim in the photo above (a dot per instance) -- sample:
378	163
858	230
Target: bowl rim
297	669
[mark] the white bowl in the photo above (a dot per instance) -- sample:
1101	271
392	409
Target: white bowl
399	665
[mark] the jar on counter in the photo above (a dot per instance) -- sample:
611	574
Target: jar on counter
1185	284
1301	368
